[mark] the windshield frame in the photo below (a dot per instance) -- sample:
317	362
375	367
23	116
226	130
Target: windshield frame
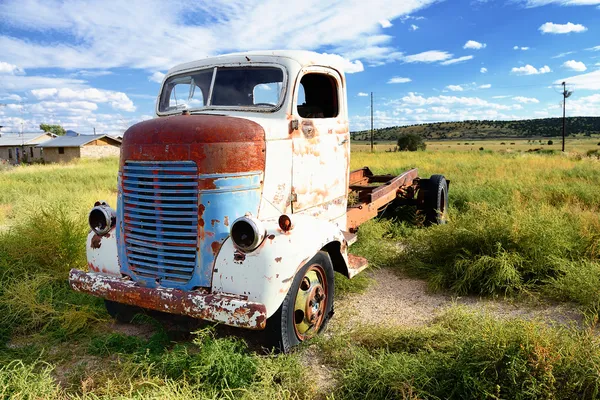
209	107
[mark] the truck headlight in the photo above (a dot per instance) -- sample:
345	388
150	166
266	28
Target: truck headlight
102	218
247	233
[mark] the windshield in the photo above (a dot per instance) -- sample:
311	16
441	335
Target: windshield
257	87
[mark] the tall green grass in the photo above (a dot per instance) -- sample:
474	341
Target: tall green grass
467	355
518	222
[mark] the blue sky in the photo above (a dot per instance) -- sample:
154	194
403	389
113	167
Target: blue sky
87	64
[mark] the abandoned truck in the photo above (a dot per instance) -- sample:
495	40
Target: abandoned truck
233	205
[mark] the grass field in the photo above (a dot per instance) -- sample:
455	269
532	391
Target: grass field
521	225
573	144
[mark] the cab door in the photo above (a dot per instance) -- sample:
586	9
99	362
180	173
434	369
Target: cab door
321	145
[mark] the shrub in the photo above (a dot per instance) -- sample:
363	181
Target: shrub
481	148
411	142
550	142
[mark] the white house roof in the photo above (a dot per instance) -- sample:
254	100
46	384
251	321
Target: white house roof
74	141
302	57
19	140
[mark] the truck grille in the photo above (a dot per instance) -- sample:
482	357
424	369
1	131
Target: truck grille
160	219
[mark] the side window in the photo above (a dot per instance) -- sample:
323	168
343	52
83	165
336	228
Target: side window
318	96
267	93
61	150
10	156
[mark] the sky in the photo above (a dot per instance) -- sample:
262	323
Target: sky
98	64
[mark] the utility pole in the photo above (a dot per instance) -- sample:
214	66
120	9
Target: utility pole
371	122
565	94
94	130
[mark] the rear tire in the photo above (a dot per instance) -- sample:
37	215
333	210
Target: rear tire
122	312
435	200
307	307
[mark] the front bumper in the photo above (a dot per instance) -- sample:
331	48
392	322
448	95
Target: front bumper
228	310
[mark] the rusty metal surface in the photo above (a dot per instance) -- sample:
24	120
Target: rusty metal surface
228	310
373	198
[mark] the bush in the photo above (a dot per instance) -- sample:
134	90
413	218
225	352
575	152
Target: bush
411	142
550	142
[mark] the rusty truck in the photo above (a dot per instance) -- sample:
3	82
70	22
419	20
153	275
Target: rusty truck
233	203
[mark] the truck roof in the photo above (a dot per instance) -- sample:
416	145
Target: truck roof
302	57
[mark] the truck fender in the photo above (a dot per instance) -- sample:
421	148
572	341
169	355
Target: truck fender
266	274
102	253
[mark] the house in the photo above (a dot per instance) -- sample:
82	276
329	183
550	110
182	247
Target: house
16	148
67	148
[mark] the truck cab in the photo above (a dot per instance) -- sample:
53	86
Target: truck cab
233	203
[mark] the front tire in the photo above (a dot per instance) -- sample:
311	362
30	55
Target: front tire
307	307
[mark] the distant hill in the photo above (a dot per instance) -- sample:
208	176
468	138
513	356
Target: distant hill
489	129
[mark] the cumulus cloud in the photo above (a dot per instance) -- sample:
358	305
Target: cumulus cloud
9	69
472	44
117	100
428	56
457	60
575	65
526	100
385	23
413	27
530	70
156	77
11	97
550	27
455	88
399	79
483	70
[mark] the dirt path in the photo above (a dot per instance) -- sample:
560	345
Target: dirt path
396	300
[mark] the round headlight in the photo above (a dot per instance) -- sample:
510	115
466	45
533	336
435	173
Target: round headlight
247	233
102	218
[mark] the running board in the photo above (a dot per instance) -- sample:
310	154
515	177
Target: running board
356	264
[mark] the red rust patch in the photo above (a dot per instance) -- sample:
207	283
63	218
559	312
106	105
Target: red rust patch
214	221
216	246
239	256
277	259
226	221
96	242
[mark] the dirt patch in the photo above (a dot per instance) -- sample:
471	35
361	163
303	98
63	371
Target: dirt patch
396	300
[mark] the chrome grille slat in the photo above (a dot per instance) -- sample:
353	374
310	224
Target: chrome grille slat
160	219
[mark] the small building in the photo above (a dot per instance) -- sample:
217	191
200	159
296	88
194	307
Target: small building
67	148
16	148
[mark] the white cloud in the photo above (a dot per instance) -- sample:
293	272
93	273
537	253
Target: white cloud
500	97
526	100
455	88
485	86
428	56
117	100
530	70
457	60
524	48
156	77
385	23
349	67
575	65
24	82
589	81
569	27
587	105
91	74
595	48
538	3
563	54
399	79
413	27
363	94
11	97
159	34
483	70
9	69
472	44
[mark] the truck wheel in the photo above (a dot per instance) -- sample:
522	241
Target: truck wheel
307	306
121	312
435	203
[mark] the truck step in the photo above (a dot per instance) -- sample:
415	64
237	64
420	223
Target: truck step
351	238
356	264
